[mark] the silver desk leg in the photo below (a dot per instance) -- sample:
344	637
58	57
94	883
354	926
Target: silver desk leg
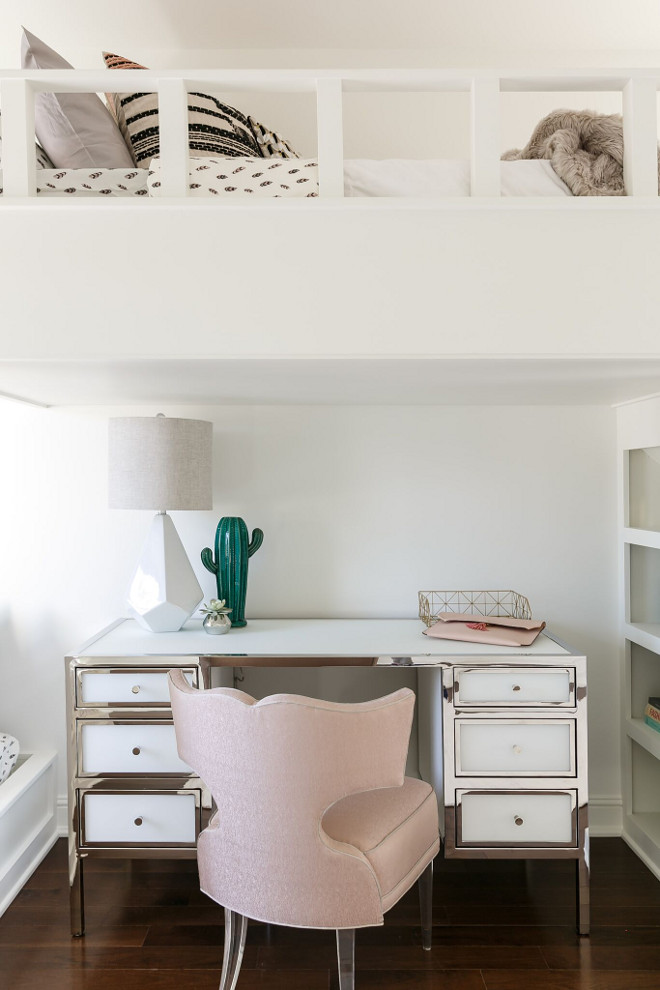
77	898
582	892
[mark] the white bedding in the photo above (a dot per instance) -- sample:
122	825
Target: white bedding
446	178
362	177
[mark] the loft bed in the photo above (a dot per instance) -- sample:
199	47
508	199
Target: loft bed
367	279
174	88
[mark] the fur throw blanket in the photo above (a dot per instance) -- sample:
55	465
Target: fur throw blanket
584	148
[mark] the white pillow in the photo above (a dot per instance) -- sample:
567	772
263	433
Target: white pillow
75	129
432	178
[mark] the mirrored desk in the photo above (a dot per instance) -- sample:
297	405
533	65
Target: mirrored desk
502	735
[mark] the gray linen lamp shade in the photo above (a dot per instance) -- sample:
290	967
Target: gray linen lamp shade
160	463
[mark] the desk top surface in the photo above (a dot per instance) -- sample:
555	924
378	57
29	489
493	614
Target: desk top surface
384	638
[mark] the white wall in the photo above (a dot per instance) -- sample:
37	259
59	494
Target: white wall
361	507
478	29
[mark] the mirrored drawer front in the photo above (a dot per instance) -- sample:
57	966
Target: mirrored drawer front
98	688
514	686
535	748
128	748
139	818
537	818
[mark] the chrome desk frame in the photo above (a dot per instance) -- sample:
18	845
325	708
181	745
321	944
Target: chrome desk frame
453	786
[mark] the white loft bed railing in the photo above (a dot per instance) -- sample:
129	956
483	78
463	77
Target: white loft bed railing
638	87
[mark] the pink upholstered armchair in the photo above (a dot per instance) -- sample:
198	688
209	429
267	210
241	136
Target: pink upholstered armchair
316	825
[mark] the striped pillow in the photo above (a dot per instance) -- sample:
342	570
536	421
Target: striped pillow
213	127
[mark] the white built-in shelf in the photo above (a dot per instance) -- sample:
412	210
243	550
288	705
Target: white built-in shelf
645	736
644	830
642	537
638	427
645	634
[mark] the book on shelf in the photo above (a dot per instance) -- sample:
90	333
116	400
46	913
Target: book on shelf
652	716
655	702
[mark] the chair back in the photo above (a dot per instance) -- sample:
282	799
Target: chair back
274	767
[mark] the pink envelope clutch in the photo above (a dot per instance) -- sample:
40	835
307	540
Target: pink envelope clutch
494	630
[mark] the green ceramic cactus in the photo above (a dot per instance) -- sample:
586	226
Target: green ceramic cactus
230	564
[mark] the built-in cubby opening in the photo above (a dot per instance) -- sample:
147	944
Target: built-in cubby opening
644	584
644	678
646	791
644	488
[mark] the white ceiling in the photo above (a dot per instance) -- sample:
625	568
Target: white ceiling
330	382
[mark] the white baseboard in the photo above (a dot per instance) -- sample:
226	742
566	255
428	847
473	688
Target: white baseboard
605	816
62	816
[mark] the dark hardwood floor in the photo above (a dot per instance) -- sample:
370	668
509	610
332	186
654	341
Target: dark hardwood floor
500	925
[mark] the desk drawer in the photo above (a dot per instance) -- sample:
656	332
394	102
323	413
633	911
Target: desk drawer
128	748
505	686
515	747
515	818
107	686
139	818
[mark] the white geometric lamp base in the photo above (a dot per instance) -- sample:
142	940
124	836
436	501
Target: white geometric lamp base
163	591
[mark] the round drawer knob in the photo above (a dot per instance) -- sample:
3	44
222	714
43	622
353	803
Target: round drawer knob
516	687
135	689
138	821
136	750
516	749
518	820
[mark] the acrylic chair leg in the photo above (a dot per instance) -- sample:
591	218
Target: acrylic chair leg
235	932
425	886
346	958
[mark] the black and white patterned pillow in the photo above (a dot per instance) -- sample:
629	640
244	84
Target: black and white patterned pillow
8	754
271	144
104	182
278	178
213	127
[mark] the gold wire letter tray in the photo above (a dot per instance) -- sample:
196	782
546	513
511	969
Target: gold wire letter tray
510	603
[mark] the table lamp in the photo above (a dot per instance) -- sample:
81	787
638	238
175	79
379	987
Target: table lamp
161	462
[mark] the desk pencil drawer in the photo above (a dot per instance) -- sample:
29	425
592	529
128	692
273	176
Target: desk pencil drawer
139	818
128	748
515	747
514	686
515	818
108	686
